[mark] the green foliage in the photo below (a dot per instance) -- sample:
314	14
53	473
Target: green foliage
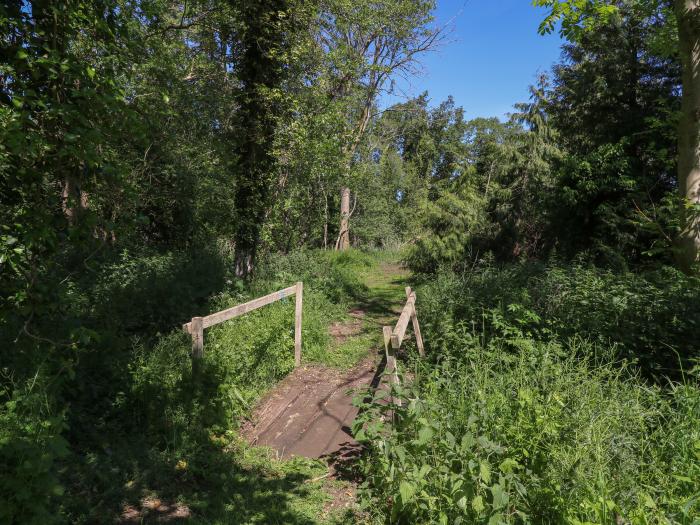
647	317
452	220
149	150
137	293
575	16
538	436
518	421
586	166
337	275
31	445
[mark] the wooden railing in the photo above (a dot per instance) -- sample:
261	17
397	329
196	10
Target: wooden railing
197	325
393	338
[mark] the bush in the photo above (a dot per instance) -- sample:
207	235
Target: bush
116	410
531	409
31	444
648	317
336	275
534	436
152	292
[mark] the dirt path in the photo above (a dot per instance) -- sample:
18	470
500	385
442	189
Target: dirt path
310	413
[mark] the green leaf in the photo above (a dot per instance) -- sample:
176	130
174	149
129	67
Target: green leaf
407	491
485	472
500	498
425	434
496	519
508	465
478	504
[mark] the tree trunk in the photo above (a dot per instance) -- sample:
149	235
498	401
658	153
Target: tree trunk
260	70
73	200
344	236
688	16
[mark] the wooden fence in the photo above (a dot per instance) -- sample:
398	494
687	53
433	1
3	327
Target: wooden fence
197	325
393	338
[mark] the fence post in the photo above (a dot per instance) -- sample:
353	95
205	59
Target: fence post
416	326
390	359
197	332
297	323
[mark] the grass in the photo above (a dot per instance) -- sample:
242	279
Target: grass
351	351
376	302
183	446
509	422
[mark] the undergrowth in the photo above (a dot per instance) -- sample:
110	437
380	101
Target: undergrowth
120	418
525	413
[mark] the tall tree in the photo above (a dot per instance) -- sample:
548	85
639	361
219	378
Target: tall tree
579	15
688	18
263	40
367	44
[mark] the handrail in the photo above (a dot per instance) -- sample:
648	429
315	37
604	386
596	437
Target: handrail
393	338
197	325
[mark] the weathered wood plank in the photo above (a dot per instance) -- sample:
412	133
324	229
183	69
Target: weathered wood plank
297	323
391	368
197	331
416	326
400	330
225	315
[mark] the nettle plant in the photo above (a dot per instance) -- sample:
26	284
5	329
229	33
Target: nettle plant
429	473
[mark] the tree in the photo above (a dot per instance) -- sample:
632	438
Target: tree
688	18
367	44
614	100
264	39
579	15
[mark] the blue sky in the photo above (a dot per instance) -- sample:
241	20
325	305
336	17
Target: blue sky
491	56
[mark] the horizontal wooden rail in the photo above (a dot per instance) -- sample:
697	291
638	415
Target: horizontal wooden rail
394	338
197	325
408	314
399	332
236	311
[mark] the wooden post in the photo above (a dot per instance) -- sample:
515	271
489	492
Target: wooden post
197	331
390	359
297	323
390	355
416	326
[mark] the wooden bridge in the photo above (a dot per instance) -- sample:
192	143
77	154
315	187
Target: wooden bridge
310	412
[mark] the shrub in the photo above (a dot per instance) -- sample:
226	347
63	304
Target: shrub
534	436
334	274
152	292
531	409
648	317
31	444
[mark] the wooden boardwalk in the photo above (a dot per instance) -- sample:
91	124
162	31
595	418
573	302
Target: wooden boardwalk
310	413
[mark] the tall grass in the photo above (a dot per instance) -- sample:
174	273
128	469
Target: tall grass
120	416
513	422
